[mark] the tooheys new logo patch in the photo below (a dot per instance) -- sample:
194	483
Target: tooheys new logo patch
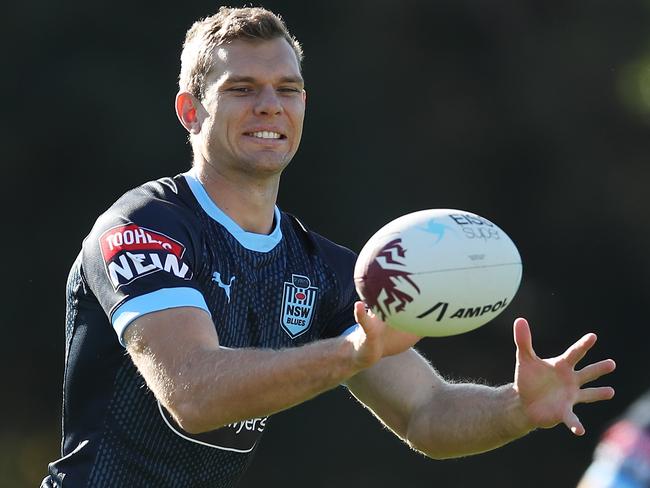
131	251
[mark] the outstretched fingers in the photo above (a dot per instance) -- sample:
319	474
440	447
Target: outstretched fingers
572	421
551	387
596	370
597	394
579	349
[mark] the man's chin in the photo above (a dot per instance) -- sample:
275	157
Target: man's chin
268	166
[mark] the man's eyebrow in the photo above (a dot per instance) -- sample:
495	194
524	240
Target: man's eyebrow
250	79
292	79
239	79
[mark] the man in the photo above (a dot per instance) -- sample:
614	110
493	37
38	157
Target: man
230	310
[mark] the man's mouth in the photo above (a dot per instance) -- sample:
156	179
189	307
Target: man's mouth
265	134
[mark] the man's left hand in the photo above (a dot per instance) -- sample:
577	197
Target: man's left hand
549	388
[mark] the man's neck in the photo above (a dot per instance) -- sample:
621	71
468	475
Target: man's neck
249	202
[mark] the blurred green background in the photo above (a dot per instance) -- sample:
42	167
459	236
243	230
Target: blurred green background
534	114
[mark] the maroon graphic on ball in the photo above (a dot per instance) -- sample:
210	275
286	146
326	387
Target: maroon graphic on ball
377	279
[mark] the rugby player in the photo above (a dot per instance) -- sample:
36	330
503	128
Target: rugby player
196	308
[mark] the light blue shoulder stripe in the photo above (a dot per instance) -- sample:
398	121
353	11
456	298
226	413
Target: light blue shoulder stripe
153	302
250	240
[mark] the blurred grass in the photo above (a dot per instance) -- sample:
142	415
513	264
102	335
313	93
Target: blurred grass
24	456
634	85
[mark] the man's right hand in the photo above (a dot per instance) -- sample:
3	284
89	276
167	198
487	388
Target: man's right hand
376	339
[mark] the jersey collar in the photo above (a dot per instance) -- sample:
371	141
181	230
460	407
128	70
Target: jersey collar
250	240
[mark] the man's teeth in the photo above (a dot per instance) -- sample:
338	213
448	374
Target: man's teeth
265	134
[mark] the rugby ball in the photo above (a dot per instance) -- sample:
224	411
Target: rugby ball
438	272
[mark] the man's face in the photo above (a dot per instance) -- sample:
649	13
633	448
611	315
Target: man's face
254	107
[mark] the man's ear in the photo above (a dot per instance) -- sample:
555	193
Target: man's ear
187	111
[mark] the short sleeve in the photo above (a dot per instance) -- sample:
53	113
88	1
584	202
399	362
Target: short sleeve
343	320
340	261
141	257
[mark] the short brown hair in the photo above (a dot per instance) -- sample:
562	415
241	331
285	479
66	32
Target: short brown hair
228	24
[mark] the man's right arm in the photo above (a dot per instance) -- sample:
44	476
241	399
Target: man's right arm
205	386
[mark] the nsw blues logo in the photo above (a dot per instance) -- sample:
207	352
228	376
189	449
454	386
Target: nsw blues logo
298	302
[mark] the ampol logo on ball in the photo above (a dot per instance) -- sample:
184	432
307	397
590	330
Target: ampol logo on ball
462	312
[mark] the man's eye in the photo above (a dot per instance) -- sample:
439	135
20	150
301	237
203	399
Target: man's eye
240	89
289	89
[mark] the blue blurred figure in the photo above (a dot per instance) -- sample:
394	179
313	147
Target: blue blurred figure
622	458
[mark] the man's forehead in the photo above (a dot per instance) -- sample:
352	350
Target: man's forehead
255	58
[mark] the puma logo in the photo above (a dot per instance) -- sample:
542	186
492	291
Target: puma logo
216	277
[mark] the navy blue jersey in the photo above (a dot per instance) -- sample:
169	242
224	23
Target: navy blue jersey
165	244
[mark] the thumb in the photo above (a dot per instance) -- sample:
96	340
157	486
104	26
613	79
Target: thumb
523	338
366	319
360	313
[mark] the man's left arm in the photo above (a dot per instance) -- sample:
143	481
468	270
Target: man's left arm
443	419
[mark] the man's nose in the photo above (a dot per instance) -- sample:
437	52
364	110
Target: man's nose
268	102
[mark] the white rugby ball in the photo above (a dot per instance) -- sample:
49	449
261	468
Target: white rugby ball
438	272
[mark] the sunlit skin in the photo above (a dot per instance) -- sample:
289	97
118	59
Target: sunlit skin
546	389
253	87
549	388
